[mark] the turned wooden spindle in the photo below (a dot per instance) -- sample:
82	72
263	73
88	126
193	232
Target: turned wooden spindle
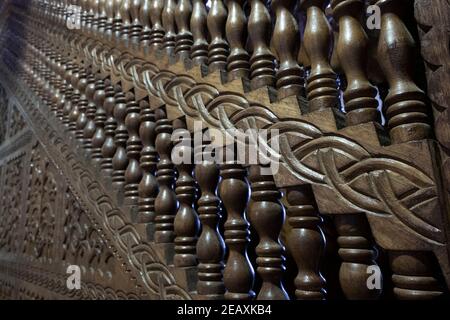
100	117
218	47
117	20
266	214
148	187
120	160
351	50
210	245
183	38
57	96
69	91
109	148
144	17
102	17
306	243
168	21
109	23
83	105
405	106
125	16
321	84
80	86
157	32
199	49
94	13
238	275
236	33
413	272
89	16
89	128
136	24
413	276
357	254
186	224
285	43
166	204
262	67
133	173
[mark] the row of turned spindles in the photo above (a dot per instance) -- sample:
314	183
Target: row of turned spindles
263	45
132	144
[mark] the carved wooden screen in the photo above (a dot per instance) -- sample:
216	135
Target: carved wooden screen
91	92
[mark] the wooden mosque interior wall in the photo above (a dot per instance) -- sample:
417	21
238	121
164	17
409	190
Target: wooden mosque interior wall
98	97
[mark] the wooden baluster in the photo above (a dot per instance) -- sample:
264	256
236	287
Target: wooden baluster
166	204
266	214
94	13
100	117
102	17
144	17
238	276
413	276
405	103
89	128
236	32
352	48
157	33
148	187
306	243
117	20
136	24
75	99
109	11
62	100
186	224
413	272
89	16
109	148
199	50
120	160
357	254
57	96
218	47
210	245
184	37
125	29
69	91
285	41
168	21
262	67
83	105
321	84
356	248
133	174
